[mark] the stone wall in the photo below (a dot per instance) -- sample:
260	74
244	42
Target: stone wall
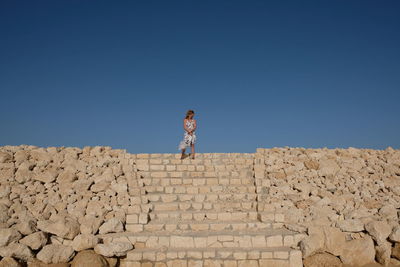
58	203
53	201
346	200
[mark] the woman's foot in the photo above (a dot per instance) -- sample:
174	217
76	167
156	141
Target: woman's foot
183	155
191	156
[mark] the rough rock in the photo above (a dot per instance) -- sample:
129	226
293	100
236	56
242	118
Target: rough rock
66	228
395	235
55	253
379	230
5	157
328	167
383	252
89	258
351	225
321	239
113	249
35	241
9	262
396	251
84	241
322	260
358	252
112	225
16	250
8	235
90	224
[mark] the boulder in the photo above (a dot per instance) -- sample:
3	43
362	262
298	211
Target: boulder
112	225
90	224
8	235
396	251
66	177
323	239
16	250
100	186
84	241
55	253
395	234
38	263
64	227
5	157
9	262
350	225
379	230
358	252
311	164
26	226
383	252
47	176
86	258
322	260
328	167
35	241
113	249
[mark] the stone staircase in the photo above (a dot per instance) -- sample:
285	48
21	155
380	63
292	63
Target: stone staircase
204	212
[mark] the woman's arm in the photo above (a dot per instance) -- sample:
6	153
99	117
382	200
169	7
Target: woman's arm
184	126
194	125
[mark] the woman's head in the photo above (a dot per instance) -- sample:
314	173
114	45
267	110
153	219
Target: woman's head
189	114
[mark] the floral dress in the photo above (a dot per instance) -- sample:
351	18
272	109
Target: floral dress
187	138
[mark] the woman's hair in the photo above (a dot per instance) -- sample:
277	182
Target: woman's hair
188	113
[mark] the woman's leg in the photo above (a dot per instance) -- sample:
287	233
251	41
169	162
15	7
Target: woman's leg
192	151
183	153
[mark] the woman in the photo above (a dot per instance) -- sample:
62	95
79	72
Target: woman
189	137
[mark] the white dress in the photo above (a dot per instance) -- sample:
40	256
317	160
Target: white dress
187	138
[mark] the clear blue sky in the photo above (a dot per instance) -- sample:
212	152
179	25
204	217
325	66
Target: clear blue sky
257	73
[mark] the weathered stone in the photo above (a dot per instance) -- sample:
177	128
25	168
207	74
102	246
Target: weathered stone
383	252
328	167
323	238
90	224
26	226
9	262
48	176
113	249
55	253
395	234
87	258
84	241
16	250
379	230
8	235
112	225
100	186
65	227
350	225
358	252
322	260
396	251
35	240
5	157
311	164
67	177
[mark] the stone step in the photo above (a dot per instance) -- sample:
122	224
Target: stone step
205	206
196	174
197	181
201	189
213	239
208	197
198	156
199	216
246	257
208	225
